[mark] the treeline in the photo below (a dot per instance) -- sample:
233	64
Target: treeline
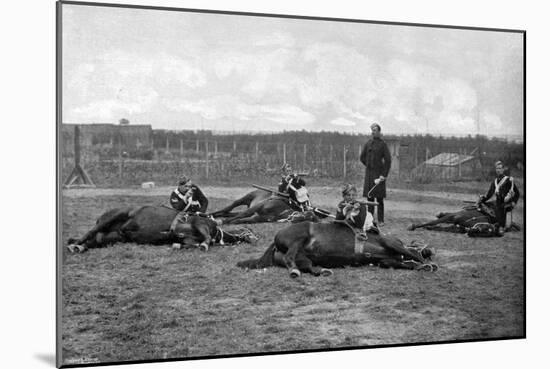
422	146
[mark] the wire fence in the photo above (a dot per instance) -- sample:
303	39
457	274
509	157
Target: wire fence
118	163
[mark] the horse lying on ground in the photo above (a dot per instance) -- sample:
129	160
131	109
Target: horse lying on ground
475	220
150	225
250	199
314	247
265	207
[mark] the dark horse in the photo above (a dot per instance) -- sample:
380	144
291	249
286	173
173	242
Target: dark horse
313	247
150	225
472	219
262	206
250	199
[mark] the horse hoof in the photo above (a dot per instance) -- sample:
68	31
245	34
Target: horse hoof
427	253
80	249
295	273
435	268
426	268
326	272
203	247
71	248
411	227
176	246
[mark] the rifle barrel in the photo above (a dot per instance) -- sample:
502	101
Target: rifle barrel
270	190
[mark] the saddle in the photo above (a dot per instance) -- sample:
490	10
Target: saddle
360	237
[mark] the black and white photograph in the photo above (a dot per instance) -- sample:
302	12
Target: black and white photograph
233	184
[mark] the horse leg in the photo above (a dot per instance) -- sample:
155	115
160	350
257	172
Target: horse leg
304	264
103	224
255	218
396	246
205	238
447	218
289	258
395	264
245	200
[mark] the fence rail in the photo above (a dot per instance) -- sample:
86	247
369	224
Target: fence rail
116	163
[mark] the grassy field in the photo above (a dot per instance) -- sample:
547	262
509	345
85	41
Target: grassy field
131	302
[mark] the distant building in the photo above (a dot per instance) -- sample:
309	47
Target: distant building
107	135
448	165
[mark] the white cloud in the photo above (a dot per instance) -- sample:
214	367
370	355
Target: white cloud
230	107
125	105
259	72
275	39
78	81
340	74
286	114
490	122
170	68
343	122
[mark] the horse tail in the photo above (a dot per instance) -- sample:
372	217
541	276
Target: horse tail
266	260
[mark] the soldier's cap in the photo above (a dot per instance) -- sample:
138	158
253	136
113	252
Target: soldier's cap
372	126
183	181
286	166
498	162
347	189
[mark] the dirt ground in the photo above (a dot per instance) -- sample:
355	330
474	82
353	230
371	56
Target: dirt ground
132	302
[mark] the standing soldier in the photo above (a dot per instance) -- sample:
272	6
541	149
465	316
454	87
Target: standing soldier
187	198
376	158
506	193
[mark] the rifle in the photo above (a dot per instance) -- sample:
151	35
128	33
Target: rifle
323	212
270	190
315	210
366	202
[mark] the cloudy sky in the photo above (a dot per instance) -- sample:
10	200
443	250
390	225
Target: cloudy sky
178	70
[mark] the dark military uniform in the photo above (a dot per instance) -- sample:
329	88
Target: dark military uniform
507	195
289	184
355	216
376	158
196	203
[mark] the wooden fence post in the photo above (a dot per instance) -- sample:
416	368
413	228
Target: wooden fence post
459	165
257	150
284	152
304	158
167	145
119	154
207	160
216	148
197	148
345	161
181	147
330	160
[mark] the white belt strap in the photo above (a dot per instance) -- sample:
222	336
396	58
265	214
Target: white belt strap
180	195
499	184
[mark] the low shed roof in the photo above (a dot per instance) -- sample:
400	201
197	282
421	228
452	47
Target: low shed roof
448	159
